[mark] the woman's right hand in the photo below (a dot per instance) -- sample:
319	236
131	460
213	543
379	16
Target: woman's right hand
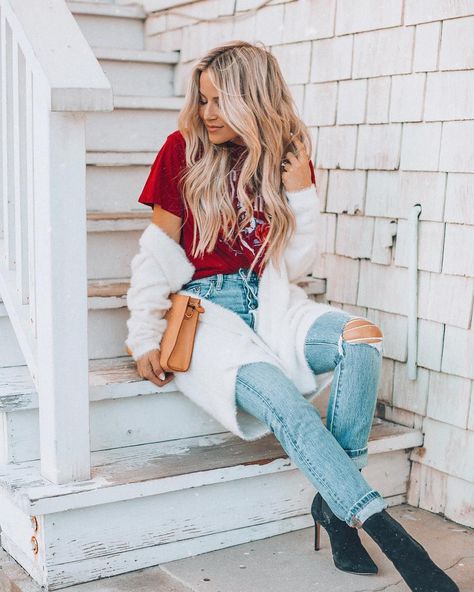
148	367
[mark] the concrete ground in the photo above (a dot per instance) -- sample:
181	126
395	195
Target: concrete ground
285	562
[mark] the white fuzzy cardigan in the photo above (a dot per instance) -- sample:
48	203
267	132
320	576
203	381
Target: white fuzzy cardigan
223	340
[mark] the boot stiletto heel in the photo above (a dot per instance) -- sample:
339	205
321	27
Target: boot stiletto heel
317	536
347	551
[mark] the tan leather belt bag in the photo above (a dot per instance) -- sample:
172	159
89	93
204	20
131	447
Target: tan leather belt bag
177	343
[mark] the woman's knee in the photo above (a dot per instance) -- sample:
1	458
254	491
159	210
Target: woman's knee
264	377
361	330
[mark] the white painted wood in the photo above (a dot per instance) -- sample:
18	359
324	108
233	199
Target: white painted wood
100	9
21	182
149	469
146	557
144	102
29	110
73	74
109	254
62	305
4	444
111	31
18	316
129	129
115	188
117	221
124	158
110	25
3	118
107	332
10	352
24	559
124	410
157	5
9	171
17	530
146	56
150	78
152	529
181	515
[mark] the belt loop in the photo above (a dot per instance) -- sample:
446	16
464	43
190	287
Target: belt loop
219	280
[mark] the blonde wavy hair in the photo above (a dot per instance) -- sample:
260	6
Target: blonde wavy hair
255	101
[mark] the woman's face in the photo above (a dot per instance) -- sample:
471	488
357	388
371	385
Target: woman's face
211	115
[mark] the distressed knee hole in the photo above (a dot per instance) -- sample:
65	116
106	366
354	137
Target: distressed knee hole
362	330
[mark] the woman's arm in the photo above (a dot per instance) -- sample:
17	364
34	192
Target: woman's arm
158	269
168	222
301	252
300	186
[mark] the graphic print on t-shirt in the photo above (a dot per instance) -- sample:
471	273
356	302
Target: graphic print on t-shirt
251	236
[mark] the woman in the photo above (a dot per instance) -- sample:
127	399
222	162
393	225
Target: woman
235	221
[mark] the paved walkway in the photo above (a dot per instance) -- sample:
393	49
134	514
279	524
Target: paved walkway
288	563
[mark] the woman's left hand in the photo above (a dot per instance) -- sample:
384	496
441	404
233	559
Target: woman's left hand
296	174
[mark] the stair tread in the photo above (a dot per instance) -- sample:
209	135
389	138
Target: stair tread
135	11
136	55
111	221
108	378
144	102
106	288
114	215
118	158
146	469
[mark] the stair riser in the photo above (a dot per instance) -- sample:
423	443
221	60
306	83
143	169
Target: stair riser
87	544
109	31
114	423
116	188
121	421
109	254
107	333
128	130
144	79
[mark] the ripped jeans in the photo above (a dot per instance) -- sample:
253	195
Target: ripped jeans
330	455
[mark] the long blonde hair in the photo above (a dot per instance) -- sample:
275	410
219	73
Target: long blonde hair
255	101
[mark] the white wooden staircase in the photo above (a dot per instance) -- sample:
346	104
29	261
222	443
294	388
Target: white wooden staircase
159	479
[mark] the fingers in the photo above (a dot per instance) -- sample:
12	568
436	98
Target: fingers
301	155
149	368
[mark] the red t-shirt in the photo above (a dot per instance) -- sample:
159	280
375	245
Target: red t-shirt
161	188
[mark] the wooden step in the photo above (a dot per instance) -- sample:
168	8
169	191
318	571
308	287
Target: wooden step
125	410
110	25
120	221
110	9
134	471
149	504
147	56
138	72
104	158
129	130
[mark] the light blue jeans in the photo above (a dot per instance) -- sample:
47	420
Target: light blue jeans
330	455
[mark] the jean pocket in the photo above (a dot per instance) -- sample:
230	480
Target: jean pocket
199	288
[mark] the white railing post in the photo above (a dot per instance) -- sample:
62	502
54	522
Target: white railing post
50	78
61	264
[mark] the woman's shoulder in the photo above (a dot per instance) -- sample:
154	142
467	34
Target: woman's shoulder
176	138
172	153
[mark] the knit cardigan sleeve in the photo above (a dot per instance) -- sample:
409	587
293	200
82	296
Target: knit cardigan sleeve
302	249
158	269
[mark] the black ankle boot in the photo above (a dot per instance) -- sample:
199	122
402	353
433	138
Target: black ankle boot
410	559
347	551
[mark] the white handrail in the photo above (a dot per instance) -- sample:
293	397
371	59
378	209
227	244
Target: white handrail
49	78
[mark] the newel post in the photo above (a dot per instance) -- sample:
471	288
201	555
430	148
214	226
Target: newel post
61	274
